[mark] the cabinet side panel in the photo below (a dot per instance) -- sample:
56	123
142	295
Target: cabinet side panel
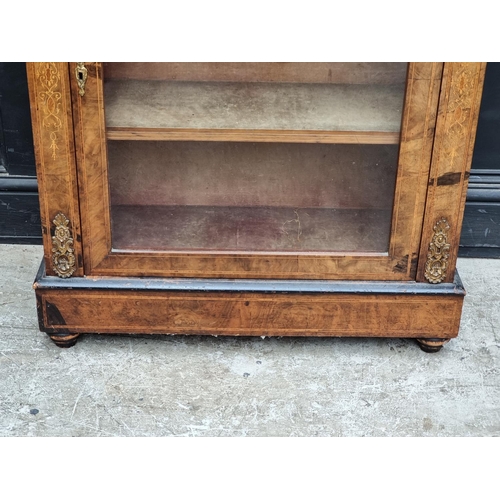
451	159
51	115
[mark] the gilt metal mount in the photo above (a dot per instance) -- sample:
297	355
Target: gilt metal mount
63	253
439	253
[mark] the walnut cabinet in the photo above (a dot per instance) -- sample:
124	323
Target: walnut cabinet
285	199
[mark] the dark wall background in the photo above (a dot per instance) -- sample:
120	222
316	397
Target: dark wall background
481	228
19	212
20	215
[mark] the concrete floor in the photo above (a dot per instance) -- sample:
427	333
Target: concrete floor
204	386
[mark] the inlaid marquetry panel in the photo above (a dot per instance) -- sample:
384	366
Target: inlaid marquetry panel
51	113
451	158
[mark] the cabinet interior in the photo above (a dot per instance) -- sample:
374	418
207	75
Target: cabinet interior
289	157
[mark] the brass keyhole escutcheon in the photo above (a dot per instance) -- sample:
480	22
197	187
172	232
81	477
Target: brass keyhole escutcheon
81	77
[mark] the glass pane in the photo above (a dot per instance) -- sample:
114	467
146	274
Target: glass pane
287	157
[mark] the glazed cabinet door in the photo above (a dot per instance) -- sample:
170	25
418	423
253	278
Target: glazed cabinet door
254	170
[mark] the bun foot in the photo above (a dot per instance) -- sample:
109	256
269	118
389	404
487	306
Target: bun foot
65	340
431	345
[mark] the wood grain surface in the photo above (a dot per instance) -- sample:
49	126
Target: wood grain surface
51	113
92	163
251	314
251	135
452	154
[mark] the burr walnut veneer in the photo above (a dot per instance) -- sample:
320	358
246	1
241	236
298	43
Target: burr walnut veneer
285	199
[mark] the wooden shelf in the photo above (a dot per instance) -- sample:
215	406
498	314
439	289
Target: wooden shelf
223	228
225	135
260	112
